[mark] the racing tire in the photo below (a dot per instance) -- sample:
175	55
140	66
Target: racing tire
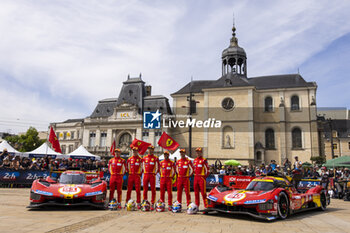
323	201
283	206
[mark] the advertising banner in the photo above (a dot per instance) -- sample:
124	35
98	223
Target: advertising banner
241	182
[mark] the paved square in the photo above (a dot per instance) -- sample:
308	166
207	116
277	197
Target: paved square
14	217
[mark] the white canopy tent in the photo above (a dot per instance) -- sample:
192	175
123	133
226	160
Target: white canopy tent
44	150
176	155
82	153
5	145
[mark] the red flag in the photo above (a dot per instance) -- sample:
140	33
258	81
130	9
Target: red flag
112	148
141	145
167	142
54	141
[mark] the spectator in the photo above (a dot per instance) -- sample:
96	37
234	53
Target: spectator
287	165
273	165
3	155
297	163
6	163
222	170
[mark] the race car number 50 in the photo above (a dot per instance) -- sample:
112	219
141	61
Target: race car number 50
233	197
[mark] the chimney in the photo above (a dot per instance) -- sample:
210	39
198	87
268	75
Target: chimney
148	90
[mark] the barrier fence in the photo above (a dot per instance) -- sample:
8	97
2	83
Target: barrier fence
25	178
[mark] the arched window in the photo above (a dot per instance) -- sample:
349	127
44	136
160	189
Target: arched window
270	139
295	106
268	104
125	140
296	138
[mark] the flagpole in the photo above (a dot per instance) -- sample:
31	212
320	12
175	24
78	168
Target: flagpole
47	139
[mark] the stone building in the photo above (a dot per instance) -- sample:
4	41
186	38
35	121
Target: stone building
263	118
118	119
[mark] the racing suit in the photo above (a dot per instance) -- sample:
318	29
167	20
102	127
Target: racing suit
150	169
201	172
167	172
134	167
117	168
184	169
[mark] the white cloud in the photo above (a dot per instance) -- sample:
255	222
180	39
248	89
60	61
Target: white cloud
60	57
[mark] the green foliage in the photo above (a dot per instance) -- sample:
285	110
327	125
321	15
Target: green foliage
26	142
319	160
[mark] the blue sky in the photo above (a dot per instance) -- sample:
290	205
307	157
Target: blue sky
58	58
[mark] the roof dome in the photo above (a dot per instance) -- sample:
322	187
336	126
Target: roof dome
233	49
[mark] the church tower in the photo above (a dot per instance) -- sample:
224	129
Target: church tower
234	58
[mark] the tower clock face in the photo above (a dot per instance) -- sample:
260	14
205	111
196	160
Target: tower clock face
228	103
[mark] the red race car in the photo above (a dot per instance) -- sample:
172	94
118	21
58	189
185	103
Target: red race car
267	198
72	188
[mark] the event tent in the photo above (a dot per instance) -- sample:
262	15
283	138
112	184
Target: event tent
82	153
338	162
4	144
176	155
44	150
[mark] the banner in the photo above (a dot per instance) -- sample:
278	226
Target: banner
241	181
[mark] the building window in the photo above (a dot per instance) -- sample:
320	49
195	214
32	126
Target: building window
63	147
157	135
335	146
295	105
334	134
58	135
125	140
268	104
103	139
70	148
349	145
78	134
145	136
64	135
296	138
72	135
270	139
92	138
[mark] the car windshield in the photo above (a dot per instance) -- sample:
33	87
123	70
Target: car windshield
72	178
260	186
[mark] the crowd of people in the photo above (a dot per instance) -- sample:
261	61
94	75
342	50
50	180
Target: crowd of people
47	163
334	179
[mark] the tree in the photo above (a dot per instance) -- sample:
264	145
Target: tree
318	160
26	142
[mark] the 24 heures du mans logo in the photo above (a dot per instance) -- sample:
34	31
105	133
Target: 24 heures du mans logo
152	120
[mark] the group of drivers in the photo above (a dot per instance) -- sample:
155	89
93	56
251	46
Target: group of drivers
149	166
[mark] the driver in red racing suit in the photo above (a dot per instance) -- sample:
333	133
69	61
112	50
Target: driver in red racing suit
184	170
134	167
201	172
117	168
150	169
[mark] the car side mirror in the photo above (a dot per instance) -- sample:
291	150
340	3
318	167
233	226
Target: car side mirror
102	178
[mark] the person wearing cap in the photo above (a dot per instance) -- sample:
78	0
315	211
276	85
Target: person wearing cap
201	172
184	170
134	168
150	165
117	169
167	172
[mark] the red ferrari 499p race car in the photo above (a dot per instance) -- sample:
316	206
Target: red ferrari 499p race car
267	198
72	188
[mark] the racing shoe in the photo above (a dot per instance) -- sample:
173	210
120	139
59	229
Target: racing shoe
152	207
170	208
139	206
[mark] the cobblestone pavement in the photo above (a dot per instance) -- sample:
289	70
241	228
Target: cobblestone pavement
14	217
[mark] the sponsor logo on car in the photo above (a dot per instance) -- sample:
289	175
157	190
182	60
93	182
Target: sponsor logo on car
93	193
210	197
43	192
69	190
255	201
